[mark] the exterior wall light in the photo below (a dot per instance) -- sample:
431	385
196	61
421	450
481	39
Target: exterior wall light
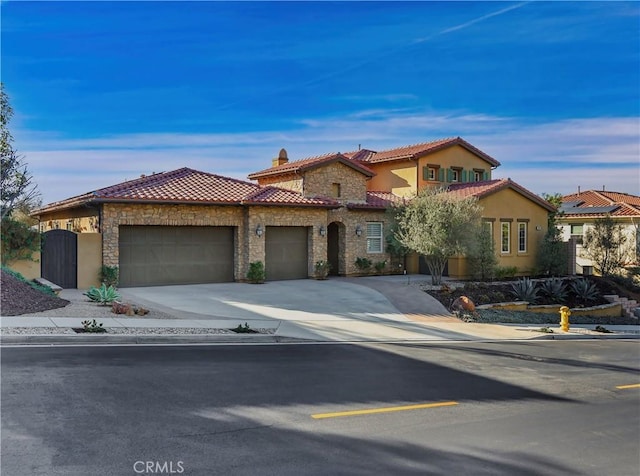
259	231
358	230
323	230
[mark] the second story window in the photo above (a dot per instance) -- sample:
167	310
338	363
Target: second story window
577	231
335	190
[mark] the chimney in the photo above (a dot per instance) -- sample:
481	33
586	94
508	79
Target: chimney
578	189
281	159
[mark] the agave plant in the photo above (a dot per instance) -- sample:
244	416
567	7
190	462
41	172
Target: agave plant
525	290
554	289
103	295
585	290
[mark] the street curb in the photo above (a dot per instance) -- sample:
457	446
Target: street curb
187	339
85	339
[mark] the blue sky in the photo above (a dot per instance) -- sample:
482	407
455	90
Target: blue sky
106	91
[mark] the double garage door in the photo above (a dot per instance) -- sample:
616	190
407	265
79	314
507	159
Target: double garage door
161	255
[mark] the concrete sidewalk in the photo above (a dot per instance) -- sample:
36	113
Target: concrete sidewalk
368	309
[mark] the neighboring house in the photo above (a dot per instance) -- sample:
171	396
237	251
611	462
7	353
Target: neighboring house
188	226
580	211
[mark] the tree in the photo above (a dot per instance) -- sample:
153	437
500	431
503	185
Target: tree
482	255
552	257
17	189
606	245
438	225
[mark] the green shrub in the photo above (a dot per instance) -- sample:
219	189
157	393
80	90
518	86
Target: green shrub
243	329
525	290
503	272
109	275
363	265
103	295
322	269
555	289
256	274
93	326
380	266
19	240
37	286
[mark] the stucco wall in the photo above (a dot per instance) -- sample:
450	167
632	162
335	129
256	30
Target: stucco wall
404	177
30	269
508	205
456	156
80	220
398	177
89	259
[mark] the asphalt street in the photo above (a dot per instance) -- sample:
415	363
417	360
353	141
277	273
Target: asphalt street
513	408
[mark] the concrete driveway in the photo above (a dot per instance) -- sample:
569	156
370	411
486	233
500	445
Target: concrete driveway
338	309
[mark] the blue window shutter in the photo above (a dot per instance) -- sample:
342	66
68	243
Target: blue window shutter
441	175
463	177
448	175
485	175
425	173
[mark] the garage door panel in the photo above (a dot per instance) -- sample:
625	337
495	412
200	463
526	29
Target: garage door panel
286	250
159	255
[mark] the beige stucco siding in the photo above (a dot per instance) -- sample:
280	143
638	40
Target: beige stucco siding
453	157
508	206
398	177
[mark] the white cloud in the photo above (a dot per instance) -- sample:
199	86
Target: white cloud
547	157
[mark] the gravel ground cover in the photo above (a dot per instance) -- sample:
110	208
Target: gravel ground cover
18	298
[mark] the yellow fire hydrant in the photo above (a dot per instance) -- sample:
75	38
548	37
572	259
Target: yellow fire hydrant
565	312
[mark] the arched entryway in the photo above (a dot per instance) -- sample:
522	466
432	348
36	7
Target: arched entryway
335	233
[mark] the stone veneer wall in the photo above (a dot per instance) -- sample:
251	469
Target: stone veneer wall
289	182
353	184
353	246
116	214
312	218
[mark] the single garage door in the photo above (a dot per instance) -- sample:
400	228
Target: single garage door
160	255
286	252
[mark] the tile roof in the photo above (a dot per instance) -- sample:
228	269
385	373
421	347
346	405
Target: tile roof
378	201
488	187
360	158
299	166
189	186
418	150
597	204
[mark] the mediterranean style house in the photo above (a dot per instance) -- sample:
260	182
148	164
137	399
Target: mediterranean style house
580	211
188	226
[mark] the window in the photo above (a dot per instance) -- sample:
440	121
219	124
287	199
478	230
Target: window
455	175
505	232
374	237
522	237
577	232
478	175
335	190
489	227
430	172
433	173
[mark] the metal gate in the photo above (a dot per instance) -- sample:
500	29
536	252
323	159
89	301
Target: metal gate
59	260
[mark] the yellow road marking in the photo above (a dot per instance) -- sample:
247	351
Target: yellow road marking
634	385
369	411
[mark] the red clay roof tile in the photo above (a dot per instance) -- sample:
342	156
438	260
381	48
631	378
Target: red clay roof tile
298	166
628	205
189	186
488	187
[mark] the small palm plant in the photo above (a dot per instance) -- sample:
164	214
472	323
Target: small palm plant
555	289
525	290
